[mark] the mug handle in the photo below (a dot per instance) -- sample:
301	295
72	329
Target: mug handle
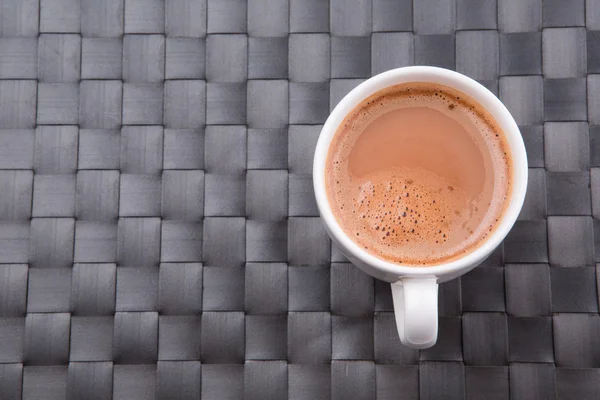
416	309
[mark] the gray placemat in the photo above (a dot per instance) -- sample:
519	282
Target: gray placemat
159	234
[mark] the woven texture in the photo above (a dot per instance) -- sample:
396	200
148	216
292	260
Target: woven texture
160	237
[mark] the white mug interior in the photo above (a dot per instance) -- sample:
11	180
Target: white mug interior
379	267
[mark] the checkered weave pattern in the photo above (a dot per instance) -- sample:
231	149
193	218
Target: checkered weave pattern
159	236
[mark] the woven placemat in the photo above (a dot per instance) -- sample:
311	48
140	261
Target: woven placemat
159	234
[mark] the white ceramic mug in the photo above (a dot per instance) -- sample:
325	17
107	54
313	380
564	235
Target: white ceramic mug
415	289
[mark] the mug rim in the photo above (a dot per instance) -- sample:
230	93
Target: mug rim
456	81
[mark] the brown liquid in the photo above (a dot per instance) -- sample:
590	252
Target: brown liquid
418	174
